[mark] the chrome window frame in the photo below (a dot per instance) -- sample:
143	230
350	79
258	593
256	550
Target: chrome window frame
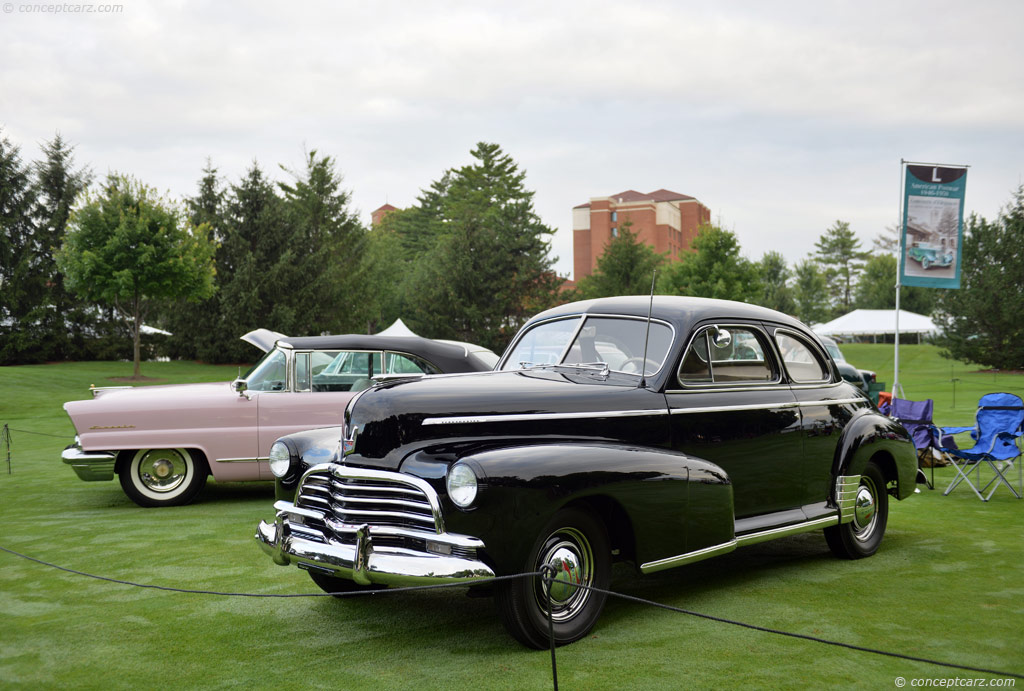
815	350
770	352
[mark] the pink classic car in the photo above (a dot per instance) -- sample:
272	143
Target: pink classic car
163	441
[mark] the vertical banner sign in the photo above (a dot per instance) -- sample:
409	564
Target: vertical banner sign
933	220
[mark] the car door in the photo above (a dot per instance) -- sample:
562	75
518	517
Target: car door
729	405
826	403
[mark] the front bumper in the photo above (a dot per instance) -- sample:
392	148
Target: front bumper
89	465
445	558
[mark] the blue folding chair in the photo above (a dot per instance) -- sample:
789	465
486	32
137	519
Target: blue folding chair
997	429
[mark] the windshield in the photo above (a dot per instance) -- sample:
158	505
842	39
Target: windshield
834	351
617	342
269	374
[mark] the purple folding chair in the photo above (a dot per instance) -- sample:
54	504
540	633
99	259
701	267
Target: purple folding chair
916	417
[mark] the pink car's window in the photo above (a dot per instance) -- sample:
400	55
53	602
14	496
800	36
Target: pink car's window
270	374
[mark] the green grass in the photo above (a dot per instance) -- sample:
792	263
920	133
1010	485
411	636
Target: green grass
947	584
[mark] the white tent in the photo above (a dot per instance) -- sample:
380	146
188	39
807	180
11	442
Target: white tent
397	329
875	322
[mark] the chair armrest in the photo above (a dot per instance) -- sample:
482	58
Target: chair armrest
956	430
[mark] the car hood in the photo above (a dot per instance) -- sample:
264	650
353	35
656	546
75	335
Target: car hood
393	420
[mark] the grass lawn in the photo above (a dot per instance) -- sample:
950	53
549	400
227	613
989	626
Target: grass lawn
947	584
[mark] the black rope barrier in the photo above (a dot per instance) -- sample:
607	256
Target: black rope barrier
38	434
546	573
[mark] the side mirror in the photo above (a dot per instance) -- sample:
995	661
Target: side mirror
722	338
240	386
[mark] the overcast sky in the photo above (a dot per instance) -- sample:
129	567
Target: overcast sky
781	117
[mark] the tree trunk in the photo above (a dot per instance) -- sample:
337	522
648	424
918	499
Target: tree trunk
137	313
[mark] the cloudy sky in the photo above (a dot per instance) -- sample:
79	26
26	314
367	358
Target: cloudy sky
781	117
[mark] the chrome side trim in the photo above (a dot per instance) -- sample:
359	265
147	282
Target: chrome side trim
807	526
846	496
524	417
242	460
521	417
688	558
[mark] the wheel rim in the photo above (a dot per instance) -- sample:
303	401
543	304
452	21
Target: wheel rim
568	551
162	470
865	511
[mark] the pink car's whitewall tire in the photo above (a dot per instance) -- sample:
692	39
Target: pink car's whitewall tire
163	477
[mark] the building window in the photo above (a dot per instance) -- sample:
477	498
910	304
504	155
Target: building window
615	232
615	216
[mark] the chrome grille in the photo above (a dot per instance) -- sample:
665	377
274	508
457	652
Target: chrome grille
356	496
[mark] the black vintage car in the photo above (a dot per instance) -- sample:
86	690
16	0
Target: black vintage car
659	432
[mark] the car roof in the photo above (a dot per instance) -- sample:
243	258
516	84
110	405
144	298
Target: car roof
677	310
449	357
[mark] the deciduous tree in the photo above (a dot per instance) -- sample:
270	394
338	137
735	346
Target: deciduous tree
715	269
129	247
775	291
810	291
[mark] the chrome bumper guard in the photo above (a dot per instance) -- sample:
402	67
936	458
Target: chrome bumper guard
847	487
89	465
289	539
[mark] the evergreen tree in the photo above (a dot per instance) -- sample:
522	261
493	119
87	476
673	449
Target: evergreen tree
195	326
715	269
624	268
775	291
489	267
982	321
838	250
65	322
19	294
328	246
810	292
129	248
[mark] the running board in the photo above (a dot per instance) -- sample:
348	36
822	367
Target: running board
740	541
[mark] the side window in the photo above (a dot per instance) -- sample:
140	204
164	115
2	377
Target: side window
726	355
269	374
302	371
802	362
399	363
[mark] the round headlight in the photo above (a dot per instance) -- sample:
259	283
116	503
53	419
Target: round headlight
280	459
461	485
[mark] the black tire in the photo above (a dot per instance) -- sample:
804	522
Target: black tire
162	477
572	535
333	584
862	536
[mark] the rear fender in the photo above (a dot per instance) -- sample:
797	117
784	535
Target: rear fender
870	434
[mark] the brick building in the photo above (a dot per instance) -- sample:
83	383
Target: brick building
665	220
378	214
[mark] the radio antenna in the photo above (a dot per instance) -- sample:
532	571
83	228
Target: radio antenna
647	335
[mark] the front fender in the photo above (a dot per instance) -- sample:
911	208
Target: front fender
656	503
870	434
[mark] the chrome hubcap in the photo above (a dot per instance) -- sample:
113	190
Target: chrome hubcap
568	552
865	515
162	470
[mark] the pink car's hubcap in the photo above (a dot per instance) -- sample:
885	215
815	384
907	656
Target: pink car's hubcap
162	470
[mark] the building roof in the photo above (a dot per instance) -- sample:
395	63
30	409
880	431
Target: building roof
630	196
386	207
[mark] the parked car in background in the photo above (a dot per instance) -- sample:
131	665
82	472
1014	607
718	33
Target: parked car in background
929	255
861	378
163	441
604	434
